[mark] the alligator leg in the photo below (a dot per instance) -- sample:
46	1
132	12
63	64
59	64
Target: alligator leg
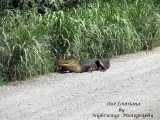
89	69
100	64
63	70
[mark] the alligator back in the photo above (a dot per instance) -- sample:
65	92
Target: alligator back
85	64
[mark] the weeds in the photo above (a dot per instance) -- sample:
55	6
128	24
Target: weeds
31	43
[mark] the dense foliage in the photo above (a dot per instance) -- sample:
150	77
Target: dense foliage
30	43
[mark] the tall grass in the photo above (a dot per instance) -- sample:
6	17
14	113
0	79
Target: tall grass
31	43
23	49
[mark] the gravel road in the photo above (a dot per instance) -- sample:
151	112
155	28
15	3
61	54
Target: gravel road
128	90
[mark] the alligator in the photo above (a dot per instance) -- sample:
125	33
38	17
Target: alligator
88	65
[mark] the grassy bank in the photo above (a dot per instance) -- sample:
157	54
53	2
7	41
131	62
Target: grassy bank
31	43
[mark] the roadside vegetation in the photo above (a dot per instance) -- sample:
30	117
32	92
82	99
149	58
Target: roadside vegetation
31	43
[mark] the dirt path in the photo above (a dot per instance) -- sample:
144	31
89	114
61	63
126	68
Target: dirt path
129	89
